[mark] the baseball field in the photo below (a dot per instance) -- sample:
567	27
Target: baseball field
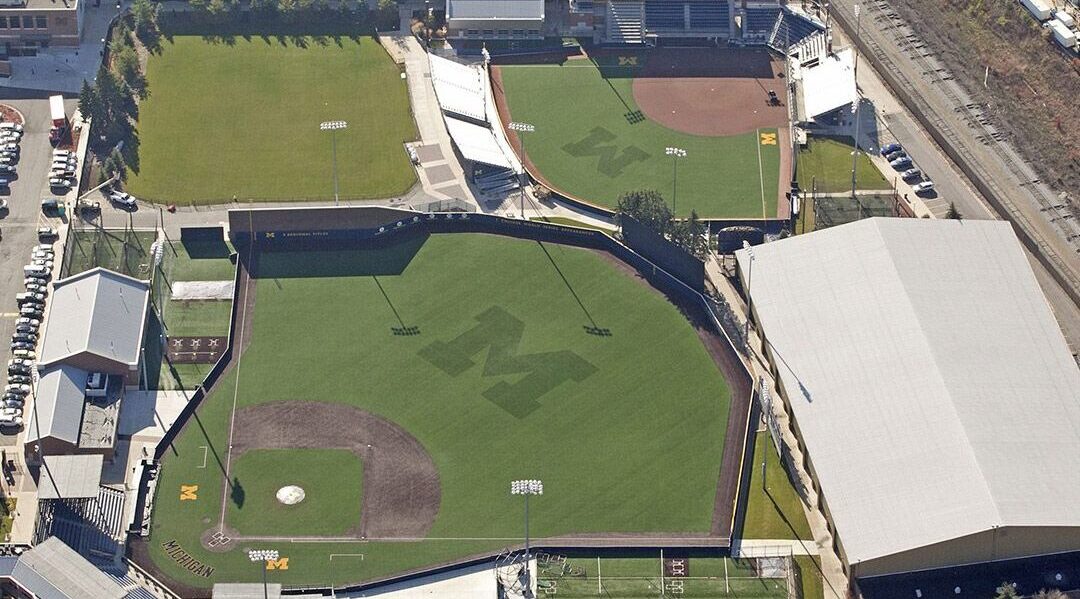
240	120
603	124
403	386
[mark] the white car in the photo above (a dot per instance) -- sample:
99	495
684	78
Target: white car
11	421
59	182
18	389
923	187
10	413
64	164
122	198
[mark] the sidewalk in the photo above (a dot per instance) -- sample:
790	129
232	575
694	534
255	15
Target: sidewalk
441	175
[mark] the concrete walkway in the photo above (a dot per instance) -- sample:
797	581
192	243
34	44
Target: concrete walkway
441	174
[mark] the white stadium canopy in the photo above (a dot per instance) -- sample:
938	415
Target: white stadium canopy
827	84
477	143
459	88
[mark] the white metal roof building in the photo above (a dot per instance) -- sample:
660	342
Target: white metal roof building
930	386
495	19
58	412
96	321
52	570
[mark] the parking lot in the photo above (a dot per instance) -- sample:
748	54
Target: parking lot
19	222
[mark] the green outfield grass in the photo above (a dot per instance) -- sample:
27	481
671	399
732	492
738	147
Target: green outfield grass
584	145
634	444
826	162
327	509
241	120
775	510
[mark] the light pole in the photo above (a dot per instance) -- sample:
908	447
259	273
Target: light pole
855	111
527	488
332	127
676	154
264	557
749	300
521	129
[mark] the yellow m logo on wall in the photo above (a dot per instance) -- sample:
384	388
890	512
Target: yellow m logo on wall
189	492
768	139
277	564
628	61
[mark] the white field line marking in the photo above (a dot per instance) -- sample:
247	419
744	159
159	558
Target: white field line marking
236	392
204	452
613	541
761	176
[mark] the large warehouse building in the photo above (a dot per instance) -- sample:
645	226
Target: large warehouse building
930	387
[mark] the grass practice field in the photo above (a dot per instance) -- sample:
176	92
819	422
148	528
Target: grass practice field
825	163
593	142
241	120
475	352
122	250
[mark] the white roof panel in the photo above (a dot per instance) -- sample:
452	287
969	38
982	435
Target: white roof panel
829	84
459	88
477	143
932	386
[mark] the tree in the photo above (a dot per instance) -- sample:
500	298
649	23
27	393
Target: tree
1050	594
1007	590
689	234
953	213
126	62
647	207
145	14
89	103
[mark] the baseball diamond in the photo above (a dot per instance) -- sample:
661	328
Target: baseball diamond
442	419
627	105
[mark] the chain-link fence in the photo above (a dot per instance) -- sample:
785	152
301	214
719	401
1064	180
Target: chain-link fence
830	211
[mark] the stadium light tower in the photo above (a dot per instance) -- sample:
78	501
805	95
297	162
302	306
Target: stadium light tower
676	154
522	128
333	127
527	488
264	557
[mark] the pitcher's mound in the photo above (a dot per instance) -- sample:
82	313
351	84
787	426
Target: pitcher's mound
290	495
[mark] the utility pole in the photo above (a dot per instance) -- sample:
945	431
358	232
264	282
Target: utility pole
527	488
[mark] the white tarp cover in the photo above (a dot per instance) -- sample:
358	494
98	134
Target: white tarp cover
931	384
459	88
829	84
477	143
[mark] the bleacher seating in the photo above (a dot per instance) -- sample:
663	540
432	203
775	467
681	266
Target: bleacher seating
791	29
89	526
709	14
625	22
760	22
661	15
135	590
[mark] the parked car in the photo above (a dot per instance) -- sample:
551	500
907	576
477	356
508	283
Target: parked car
17	388
19	370
7	169
889	148
901	163
24	336
22	345
911	174
10	412
25	354
122	198
19	378
26	297
10	126
896	155
13	403
32	311
924	187
29	321
59	182
26	328
46	233
89	206
35	280
10	421
43	253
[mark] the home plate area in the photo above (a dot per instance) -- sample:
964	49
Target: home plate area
195	350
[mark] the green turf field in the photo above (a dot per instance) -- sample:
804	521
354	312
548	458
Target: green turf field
327	509
241	120
774	510
121	250
585	145
633	444
578	576
825	162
